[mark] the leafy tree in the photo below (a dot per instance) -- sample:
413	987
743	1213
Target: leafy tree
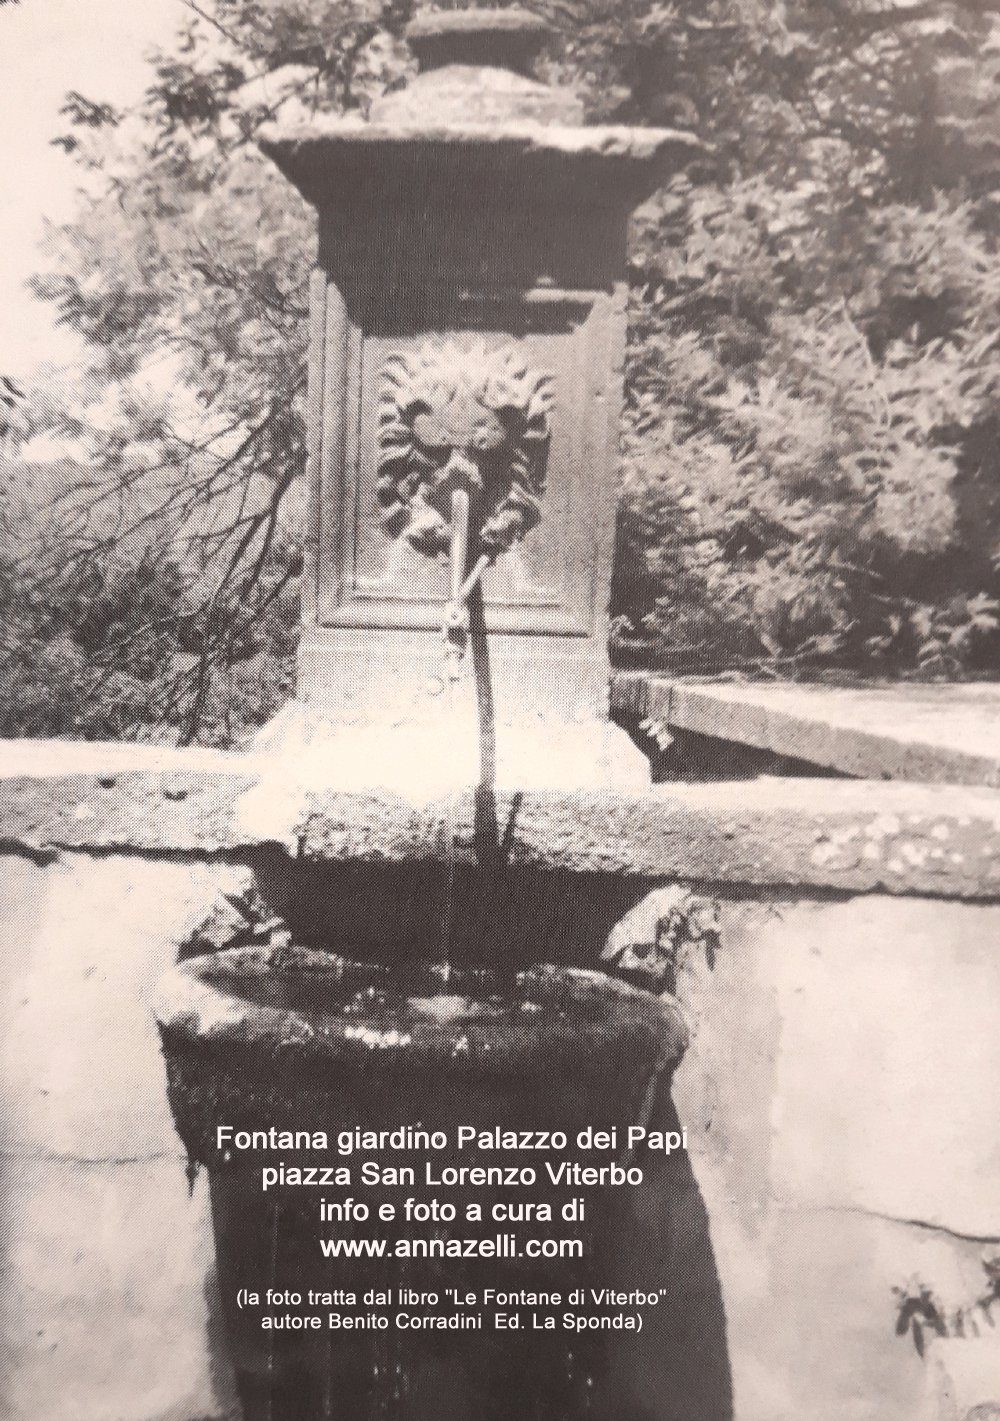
810	464
814	349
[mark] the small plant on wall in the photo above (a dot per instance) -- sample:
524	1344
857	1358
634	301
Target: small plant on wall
922	1315
651	942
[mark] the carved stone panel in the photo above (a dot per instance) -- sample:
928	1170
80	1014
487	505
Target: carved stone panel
508	397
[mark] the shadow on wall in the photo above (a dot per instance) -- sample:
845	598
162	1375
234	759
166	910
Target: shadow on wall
395	912
675	1369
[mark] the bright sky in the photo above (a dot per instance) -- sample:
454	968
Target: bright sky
47	47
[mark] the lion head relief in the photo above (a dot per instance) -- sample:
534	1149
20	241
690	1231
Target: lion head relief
452	417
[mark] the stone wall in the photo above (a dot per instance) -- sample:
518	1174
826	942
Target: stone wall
841	1093
105	1255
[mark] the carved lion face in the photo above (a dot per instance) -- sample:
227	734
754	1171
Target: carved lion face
452	418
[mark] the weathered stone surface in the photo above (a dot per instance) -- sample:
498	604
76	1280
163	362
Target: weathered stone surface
850	836
836	834
328	138
507	39
236	913
842	1099
653	937
847	836
427	162
423	760
469	93
89	952
929	733
888	1072
578	1021
107	1258
103	1308
430	24
174	811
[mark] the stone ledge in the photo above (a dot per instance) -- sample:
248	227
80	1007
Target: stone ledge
842	835
852	837
173	811
476	21
589	165
927	733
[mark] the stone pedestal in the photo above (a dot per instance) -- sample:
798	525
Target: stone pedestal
468	332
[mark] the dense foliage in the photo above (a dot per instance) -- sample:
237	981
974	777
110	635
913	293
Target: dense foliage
811	469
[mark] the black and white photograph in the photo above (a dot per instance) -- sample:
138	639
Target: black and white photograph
500	710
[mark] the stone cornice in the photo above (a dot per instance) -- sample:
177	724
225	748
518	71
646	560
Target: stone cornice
600	163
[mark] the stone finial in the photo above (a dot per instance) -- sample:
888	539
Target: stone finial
475	67
501	39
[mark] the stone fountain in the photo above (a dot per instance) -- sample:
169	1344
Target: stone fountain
466	349
840	1085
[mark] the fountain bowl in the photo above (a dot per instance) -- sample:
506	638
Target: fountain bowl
301	1039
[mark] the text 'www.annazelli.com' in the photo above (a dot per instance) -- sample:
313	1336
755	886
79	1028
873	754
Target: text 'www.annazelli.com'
500	1246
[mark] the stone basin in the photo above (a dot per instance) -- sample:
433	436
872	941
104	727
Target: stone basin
328	1035
301	1040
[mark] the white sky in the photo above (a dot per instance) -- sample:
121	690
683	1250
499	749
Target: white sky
47	47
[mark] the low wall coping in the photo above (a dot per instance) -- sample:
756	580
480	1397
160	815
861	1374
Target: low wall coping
844	835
